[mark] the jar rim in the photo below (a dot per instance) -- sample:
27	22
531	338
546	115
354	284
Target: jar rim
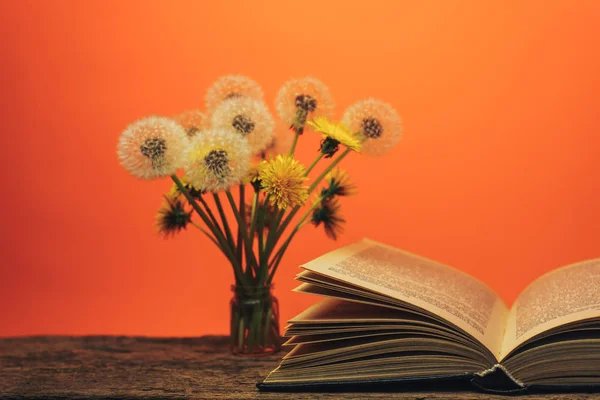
252	290
265	286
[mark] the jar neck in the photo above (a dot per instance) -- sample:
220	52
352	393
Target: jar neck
254	291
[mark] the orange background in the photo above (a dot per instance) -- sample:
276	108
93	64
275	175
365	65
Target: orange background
497	173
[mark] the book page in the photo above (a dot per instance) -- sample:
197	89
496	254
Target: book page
449	293
335	310
565	295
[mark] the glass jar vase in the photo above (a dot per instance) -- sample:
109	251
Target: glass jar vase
254	320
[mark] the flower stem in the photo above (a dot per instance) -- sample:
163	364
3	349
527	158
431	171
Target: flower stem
294	142
211	215
223	245
310	189
269	246
207	233
280	228
254	215
298	126
250	257
262	250
285	245
328	169
319	157
239	244
260	230
224	220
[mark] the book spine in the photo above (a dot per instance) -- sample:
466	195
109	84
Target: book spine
497	379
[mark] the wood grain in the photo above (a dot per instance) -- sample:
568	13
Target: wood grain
98	367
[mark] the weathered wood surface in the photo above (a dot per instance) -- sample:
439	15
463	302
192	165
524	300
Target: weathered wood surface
154	368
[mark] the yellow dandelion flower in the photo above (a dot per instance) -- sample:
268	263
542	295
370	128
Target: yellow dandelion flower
338	184
328	214
193	121
172	217
301	99
231	86
216	160
378	123
152	147
282	178
333	135
248	117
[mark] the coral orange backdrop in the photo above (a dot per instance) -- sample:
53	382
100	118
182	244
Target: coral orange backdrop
497	173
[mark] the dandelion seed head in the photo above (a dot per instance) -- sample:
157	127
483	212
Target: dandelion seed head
371	128
377	122
299	100
231	87
249	118
193	121
152	147
217	159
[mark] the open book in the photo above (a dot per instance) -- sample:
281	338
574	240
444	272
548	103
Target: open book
391	317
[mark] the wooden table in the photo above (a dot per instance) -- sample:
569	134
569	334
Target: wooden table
101	367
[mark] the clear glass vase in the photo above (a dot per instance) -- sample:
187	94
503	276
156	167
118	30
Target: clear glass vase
254	320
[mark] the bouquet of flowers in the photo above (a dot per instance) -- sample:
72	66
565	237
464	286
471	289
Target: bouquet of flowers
229	160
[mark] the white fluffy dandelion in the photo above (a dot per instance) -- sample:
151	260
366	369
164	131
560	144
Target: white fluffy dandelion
217	159
152	147
299	100
248	117
193	121
377	123
231	86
